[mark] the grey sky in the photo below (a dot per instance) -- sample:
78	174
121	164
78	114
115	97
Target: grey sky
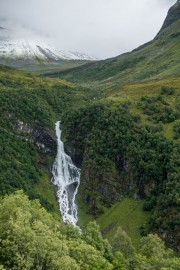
103	28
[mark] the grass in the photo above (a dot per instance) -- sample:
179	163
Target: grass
168	130
83	216
29	80
40	66
47	191
132	92
129	215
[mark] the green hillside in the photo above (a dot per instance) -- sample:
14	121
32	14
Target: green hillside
121	125
30	106
157	59
129	215
40	66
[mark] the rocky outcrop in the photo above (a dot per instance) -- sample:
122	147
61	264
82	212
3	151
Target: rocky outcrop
37	135
172	237
172	16
42	138
74	153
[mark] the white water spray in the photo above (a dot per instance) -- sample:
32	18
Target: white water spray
66	177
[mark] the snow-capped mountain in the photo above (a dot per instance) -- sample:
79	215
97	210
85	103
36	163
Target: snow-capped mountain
28	48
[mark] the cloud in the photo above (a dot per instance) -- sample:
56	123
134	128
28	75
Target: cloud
103	28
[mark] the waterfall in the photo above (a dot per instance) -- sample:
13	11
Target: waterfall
66	177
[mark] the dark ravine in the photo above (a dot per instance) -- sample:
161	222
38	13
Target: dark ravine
74	153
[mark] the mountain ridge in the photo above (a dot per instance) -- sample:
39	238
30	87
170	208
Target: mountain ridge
36	55
155	59
16	51
172	16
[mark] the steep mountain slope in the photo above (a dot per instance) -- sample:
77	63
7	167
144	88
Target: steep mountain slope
172	16
154	60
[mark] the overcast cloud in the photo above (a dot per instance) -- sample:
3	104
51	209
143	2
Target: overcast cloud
103	28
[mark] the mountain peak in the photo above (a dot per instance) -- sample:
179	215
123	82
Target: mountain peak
172	16
14	47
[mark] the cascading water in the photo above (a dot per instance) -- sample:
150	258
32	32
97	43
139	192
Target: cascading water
66	177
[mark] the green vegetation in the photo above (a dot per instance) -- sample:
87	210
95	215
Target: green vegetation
155	60
30	101
106	135
176	130
121	242
129	215
124	156
31	238
124	132
40	65
47	192
83	216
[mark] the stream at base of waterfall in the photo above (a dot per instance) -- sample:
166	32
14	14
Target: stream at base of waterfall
66	178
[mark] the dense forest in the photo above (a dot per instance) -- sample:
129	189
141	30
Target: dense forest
31	238
122	156
125	143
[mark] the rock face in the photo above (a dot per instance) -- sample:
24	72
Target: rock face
172	16
74	153
37	135
170	237
42	138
